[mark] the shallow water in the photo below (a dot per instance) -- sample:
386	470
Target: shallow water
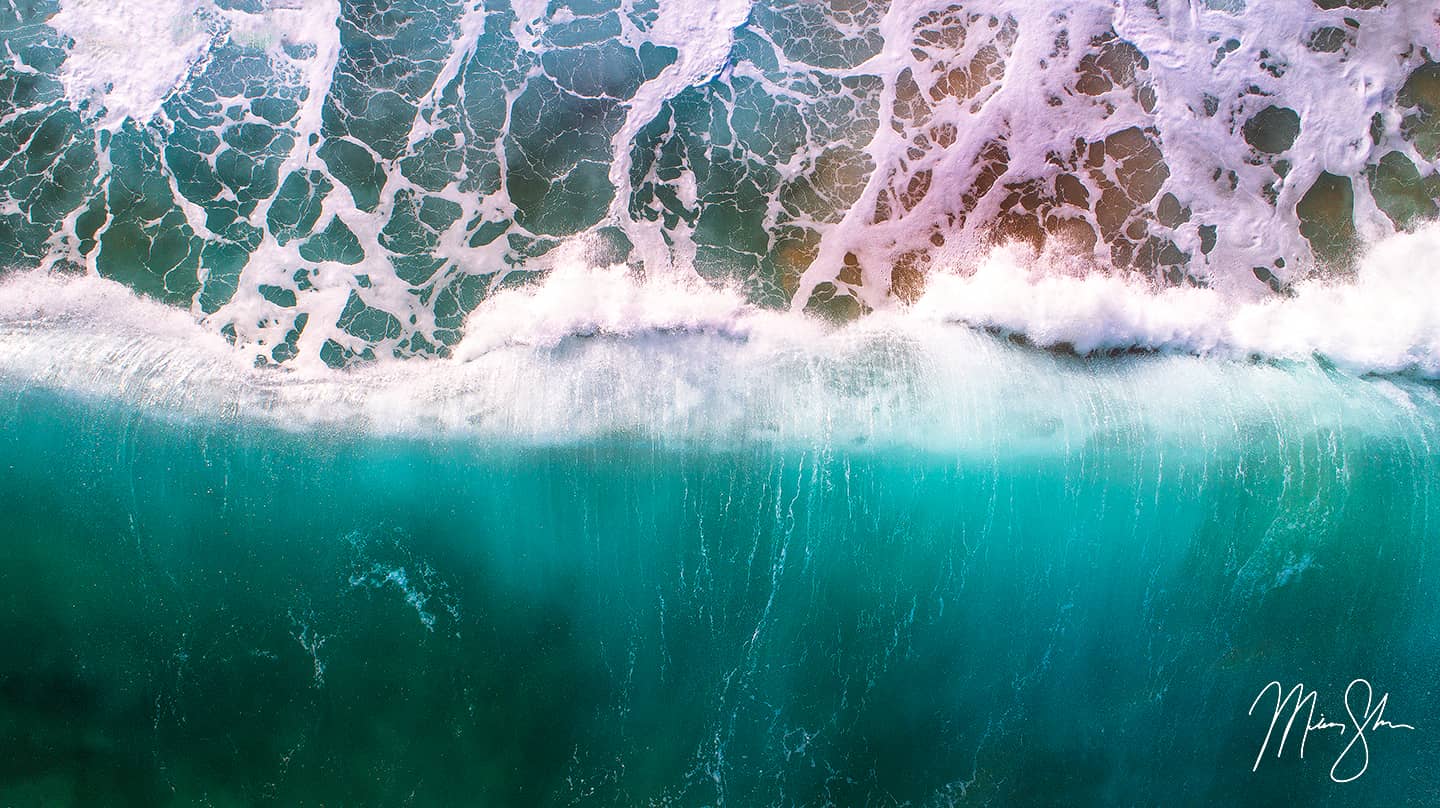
333	181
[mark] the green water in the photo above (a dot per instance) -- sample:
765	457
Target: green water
225	613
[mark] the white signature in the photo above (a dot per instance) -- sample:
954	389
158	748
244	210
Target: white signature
1368	719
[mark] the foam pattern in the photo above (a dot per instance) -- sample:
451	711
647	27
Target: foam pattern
334	181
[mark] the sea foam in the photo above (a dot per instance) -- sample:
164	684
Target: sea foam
1383	319
347	196
589	352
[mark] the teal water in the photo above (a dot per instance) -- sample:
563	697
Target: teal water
212	610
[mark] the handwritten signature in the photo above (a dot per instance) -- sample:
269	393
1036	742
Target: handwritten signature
1368	719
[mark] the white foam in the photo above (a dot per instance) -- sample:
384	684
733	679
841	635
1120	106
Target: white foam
594	352
703	33
1383	320
1034	109
129	56
579	300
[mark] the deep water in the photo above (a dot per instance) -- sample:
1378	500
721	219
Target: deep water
218	611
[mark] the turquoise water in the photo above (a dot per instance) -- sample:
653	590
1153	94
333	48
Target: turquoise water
219	610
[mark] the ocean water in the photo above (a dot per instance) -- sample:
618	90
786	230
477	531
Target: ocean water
773	402
895	563
1078	610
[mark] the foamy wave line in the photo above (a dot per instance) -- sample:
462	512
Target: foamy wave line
576	300
1384	320
680	360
